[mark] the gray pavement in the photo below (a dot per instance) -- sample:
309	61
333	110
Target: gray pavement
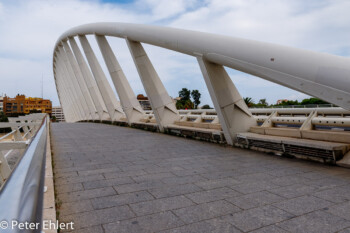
116	179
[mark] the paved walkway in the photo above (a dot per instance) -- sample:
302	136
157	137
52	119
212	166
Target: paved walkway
116	179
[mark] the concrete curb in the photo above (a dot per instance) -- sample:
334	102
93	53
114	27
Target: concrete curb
49	212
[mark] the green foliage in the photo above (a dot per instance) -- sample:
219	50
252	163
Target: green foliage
249	101
313	101
206	106
196	98
288	102
185	102
3	117
185	94
263	103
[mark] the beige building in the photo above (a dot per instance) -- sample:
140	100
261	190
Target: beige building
58	113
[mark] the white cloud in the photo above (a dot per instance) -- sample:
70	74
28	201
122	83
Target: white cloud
30	28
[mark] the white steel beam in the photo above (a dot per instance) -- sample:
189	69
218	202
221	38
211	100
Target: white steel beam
231	109
90	81
321	75
73	106
75	85
128	100
164	108
80	81
67	80
113	106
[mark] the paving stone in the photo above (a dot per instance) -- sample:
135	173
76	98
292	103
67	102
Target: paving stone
303	205
65	188
220	174
75	207
145	224
254	177
252	187
106	183
98	217
209	226
102	171
270	229
169	191
295	190
158	205
99	171
141	167
289	180
212	195
183	180
218	183
111	175
341	210
121	199
128	188
152	177
284	172
205	211
315	175
93	229
67	174
78	179
327	183
315	222
252	219
163	169
255	199
86	194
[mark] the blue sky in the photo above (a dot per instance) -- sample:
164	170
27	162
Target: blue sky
30	28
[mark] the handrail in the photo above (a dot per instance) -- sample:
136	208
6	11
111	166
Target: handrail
22	193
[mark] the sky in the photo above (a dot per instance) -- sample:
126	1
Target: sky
30	28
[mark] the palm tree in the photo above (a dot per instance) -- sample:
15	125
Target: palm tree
248	101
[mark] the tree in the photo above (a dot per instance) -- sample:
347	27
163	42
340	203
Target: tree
53	118
248	101
313	101
206	106
288	102
196	98
185	94
188	104
3	117
263	102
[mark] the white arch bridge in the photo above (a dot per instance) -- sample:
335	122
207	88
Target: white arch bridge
86	95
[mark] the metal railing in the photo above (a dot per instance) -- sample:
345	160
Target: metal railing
21	196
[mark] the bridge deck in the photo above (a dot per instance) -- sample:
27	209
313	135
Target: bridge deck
116	179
